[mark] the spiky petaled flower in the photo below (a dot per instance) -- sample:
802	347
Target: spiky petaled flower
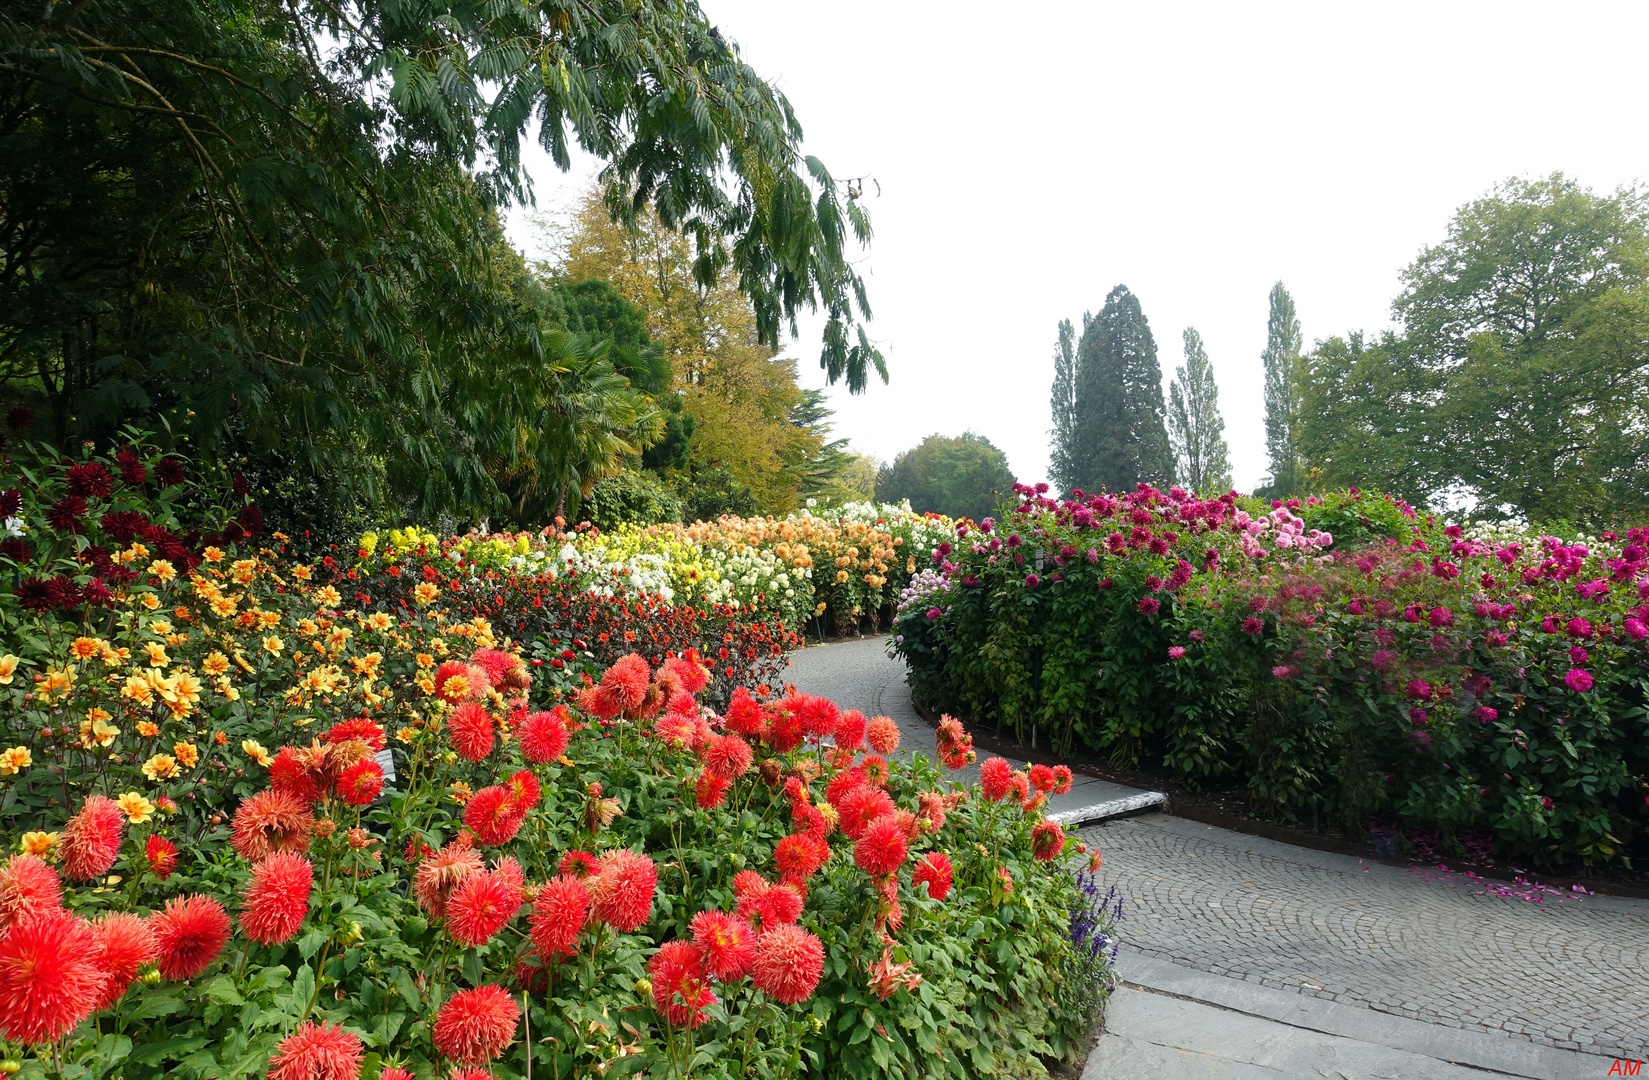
524	789
850	731
709	789
882	733
860	807
842	783
788	963
471	1074
288	773
783	729
628	681
400	1072
1062	779
622	892
128	944
676	730
51	976
495	663
91	839
162	856
276	900
317	1052
744	715
876	771
27	887
995	779
679	991
270	821
728	944
1047	840
452	682
728	756
441	872
580	864
955	744
935	869
1042	778
494	816
190	933
559	912
777	905
544	736
471	729
358	728
820	717
693	675
882	847
88	480
361	783
474	1026
800	855
483	904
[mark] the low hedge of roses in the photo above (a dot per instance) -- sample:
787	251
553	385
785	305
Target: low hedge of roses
263	817
1482	691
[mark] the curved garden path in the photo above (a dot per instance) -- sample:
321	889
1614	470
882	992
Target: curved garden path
1244	957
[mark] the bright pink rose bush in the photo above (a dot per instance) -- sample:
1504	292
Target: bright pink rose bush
1482	689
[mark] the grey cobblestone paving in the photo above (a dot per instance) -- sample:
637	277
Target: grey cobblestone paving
1574	976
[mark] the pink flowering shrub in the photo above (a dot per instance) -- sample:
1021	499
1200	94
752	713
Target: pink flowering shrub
1406	670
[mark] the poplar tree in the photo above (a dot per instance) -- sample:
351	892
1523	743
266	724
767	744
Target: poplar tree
1120	430
1063	450
1282	392
1195	426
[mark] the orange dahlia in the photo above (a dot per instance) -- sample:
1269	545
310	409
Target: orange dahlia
560	911
270	821
474	1026
679	991
441	872
51	976
622	892
128	944
91	839
27	887
190	933
276	900
1047	840
882	733
317	1052
788	963
728	756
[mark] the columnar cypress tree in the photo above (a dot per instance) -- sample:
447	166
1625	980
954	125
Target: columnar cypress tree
1063	450
1282	392
1120	428
1195	426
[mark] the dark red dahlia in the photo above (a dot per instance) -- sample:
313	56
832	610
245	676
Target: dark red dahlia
169	471
64	515
89	480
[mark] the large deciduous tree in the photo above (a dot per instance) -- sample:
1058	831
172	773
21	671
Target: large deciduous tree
1121	437
1195	427
1281	360
1063	450
965	476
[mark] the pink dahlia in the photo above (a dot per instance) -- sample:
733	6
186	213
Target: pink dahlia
91	839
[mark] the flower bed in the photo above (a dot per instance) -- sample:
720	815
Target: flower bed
211	873
1485	690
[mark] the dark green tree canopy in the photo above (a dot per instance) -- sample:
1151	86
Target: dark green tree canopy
1195	427
1121	434
965	476
1281	361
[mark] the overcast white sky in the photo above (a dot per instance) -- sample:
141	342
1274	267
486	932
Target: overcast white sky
1031	157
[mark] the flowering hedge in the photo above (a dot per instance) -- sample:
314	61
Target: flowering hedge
266	818
1483	689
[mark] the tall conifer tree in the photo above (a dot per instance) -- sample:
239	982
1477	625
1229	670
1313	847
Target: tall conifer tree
1282	392
1195	426
1120	426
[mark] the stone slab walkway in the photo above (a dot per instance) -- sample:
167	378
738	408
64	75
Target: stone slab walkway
860	675
1248	958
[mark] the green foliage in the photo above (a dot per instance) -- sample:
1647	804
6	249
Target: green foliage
1121	438
1195	427
1063	450
708	493
1488	688
963	476
1281	359
630	497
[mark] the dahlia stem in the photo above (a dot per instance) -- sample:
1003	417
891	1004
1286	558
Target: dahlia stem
315	995
526	1030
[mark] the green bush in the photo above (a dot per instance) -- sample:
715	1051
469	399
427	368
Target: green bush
630	497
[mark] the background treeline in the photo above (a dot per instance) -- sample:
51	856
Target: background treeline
272	230
1516	385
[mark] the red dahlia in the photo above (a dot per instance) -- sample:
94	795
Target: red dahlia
850	730
317	1052
560	911
1042	778
91	839
935	869
471	729
483	904
277	898
744	715
441	872
788	963
271	821
728	944
622	891
544	736
494	816
709	789
359	728
860	807
27	887
51	976
1047	840
679	991
190	934
128	944
474	1026
800	855
882	847
361	783
995	778
728	756
162	856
